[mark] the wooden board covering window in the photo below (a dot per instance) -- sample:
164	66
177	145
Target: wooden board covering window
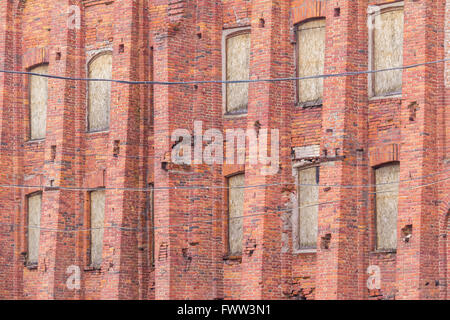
237	68
151	224
34	224
311	59
97	201
100	92
236	211
38	103
388	51
387	180
308	198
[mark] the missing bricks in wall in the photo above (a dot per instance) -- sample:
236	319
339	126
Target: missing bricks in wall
53	154
407	233
250	247
325	242
262	23
187	257
116	148
413	108
337	12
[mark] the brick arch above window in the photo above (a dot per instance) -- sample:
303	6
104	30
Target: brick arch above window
35	56
384	154
303	10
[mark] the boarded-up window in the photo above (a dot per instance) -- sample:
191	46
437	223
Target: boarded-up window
99	92
97	200
387	180
151	224
38	102
237	68
308	196
236	212
311	57
34	224
387	50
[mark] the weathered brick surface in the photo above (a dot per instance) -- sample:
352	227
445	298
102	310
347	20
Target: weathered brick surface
181	40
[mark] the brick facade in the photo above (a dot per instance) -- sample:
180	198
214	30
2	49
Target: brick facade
349	135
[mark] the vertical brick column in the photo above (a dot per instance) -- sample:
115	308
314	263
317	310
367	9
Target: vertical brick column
269	105
8	142
185	244
203	255
122	207
57	250
417	259
164	244
338	255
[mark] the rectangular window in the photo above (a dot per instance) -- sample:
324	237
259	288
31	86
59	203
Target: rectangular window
235	213
310	61
97	203
151	224
38	103
99	92
386	26
34	224
308	191
237	68
387	181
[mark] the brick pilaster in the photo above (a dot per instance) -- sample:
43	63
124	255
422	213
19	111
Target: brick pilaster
417	259
123	206
57	249
269	108
8	234
338	255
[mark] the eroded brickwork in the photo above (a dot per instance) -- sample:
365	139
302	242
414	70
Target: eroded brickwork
348	135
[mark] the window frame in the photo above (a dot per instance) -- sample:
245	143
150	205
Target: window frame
28	263
29	138
296	215
383	8
91	265
375	210
229	255
307	104
88	100
150	223
227	34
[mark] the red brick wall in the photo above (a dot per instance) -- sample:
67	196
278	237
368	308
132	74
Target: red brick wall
181	40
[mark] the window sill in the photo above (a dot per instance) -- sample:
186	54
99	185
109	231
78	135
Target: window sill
305	251
105	131
92	269
35	141
392	251
386	97
31	266
232	258
237	114
310	104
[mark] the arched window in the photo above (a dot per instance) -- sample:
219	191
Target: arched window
38	102
237	68
99	99
386	47
310	61
387	183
